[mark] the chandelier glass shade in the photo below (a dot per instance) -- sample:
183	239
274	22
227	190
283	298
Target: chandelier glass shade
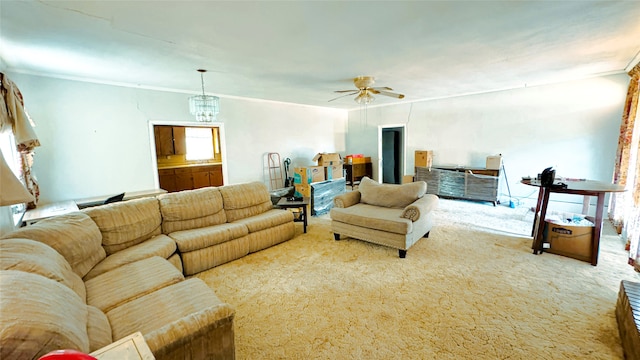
204	107
364	98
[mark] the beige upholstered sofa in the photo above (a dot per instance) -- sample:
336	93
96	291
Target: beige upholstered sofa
83	280
392	215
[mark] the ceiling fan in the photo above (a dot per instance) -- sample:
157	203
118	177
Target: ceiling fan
364	90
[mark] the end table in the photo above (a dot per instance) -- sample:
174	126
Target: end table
286	204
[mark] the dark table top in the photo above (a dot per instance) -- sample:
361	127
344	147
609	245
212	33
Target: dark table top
284	202
579	186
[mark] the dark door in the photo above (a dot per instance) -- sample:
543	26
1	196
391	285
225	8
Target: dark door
391	155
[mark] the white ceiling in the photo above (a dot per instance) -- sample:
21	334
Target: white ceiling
301	51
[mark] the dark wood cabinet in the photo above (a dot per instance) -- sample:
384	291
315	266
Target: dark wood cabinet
184	179
179	140
170	140
201	178
215	176
190	177
355	172
167	178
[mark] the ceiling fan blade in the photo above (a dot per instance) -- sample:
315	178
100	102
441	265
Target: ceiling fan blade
353	92
344	91
382	88
388	93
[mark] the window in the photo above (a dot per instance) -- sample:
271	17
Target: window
199	142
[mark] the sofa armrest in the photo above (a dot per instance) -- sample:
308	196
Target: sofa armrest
347	199
420	207
212	326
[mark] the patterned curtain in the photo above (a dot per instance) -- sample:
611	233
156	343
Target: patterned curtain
13	114
625	207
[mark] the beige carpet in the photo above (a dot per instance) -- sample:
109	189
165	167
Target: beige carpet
472	290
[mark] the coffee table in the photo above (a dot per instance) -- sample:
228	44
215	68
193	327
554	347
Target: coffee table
286	204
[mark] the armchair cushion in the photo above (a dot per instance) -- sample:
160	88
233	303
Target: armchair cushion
347	199
390	195
421	206
373	217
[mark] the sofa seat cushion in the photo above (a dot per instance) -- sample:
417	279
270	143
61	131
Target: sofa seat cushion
390	195
180	311
130	282
35	257
160	245
191	209
196	239
373	217
266	220
98	329
75	236
32	326
245	200
126	223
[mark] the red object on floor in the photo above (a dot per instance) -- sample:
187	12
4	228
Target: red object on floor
66	355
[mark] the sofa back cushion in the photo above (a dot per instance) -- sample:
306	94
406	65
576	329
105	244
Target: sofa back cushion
191	209
126	223
37	258
390	195
245	200
74	236
39	315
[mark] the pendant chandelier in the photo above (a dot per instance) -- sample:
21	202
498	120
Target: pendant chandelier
204	107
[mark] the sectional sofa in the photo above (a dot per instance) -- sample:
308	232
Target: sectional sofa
83	280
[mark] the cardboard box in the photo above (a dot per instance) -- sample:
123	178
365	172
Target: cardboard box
424	158
360	160
303	190
407	179
317	173
494	162
349	158
326	159
570	241
333	172
301	175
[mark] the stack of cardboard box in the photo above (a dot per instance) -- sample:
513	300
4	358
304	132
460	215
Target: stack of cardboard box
329	167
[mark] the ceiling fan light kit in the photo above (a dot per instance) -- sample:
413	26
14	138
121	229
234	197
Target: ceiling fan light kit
365	89
204	107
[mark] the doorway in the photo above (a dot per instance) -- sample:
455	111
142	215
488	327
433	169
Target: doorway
188	155
391	143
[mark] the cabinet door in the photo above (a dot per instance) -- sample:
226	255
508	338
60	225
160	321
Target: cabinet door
167	179
179	140
215	176
164	140
200	177
359	170
184	179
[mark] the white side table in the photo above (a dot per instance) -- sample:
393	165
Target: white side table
132	347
